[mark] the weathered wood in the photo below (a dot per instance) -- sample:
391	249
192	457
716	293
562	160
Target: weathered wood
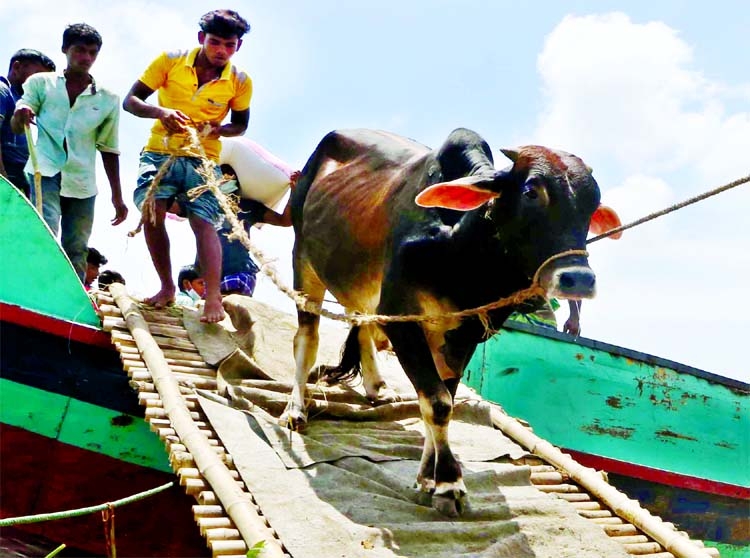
206	523
203	511
643	548
222	534
555	488
224	548
555	478
194	473
167	330
622	530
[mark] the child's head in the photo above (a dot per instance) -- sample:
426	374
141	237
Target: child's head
107	277
189	278
94	260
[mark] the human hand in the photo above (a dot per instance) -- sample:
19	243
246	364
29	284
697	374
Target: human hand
211	129
23	116
121	211
174	121
293	178
572	326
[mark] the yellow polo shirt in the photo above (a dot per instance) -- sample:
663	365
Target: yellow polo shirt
173	75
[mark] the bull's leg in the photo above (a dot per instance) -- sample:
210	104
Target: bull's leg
375	386
305	342
439	467
305	352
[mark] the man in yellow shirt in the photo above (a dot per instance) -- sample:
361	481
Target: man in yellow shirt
198	89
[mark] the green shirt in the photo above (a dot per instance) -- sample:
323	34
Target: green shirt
68	137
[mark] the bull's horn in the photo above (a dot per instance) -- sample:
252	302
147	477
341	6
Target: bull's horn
511	154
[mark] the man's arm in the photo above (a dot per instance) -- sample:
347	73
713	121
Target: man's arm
573	323
135	103
283	219
111	163
238	121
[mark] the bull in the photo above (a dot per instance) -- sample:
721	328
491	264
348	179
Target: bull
389	226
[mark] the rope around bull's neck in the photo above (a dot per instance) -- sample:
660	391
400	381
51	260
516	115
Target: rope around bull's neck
206	170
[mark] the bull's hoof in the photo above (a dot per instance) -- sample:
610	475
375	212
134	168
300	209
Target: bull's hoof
450	505
422	498
383	396
293	418
426	485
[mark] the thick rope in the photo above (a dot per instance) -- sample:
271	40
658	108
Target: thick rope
672	208
206	170
9	521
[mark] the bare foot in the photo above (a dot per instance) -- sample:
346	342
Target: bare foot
213	311
162	299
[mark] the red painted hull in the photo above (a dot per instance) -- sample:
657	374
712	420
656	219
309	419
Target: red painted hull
45	476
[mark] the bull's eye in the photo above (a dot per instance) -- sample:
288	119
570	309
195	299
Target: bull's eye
535	191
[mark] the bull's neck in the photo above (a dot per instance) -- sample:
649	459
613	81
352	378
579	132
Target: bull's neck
483	253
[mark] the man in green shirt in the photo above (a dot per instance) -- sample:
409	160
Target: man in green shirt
75	117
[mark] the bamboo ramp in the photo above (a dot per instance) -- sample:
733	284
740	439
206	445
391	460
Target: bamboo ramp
165	367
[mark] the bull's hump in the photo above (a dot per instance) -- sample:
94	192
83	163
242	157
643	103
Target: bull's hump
385	146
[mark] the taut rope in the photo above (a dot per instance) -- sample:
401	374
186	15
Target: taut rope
672	208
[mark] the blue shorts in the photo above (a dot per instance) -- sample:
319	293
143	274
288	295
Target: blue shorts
181	176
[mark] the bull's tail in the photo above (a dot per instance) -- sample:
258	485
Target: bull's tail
350	365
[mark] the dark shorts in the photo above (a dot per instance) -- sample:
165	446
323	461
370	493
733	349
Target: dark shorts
181	176
240	283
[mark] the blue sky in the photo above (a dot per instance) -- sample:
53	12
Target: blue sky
652	95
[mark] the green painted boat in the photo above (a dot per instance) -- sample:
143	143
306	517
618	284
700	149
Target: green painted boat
674	437
72	434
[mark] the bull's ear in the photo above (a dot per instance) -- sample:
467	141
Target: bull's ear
461	196
605	219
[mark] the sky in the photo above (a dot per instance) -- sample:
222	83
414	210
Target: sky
654	96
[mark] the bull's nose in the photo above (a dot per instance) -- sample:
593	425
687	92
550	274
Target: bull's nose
577	279
573	282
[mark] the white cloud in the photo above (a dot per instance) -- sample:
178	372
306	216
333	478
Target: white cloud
625	94
625	90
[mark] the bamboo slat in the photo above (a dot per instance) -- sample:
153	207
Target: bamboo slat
235	502
593	483
225	548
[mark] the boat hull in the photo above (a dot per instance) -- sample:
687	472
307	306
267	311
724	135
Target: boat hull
670	435
72	435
